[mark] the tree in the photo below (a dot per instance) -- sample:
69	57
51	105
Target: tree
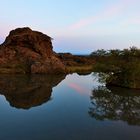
123	67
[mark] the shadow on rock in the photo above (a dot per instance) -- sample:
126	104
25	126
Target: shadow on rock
23	91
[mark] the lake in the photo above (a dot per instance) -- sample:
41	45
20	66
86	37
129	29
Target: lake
66	107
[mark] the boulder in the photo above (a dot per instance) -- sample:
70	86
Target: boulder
28	51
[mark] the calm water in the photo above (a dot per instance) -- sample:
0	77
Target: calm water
72	107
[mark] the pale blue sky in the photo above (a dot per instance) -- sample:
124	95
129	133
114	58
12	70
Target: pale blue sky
77	26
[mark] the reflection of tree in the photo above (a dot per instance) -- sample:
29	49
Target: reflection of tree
23	91
115	104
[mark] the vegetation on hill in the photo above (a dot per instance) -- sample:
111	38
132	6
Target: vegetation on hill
122	66
76	63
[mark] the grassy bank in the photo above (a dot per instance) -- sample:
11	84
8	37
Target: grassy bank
79	69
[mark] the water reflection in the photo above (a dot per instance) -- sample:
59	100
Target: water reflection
23	91
115	103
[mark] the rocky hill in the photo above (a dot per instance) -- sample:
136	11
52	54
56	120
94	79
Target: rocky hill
75	60
28	51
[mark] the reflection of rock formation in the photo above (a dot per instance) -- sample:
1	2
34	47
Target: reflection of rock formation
23	91
116	104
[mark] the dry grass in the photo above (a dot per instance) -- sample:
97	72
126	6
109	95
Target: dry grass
72	69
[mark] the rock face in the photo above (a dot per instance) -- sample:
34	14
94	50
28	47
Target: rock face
75	60
28	51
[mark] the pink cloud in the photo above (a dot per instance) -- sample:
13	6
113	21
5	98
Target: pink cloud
108	13
134	21
77	88
83	22
130	22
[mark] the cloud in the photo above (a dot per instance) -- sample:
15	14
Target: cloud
132	21
77	88
106	14
83	22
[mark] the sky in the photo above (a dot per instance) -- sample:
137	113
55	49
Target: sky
77	26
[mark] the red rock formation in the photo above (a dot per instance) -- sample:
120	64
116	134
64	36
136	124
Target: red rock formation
27	51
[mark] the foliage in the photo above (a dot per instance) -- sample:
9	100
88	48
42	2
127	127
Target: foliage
123	67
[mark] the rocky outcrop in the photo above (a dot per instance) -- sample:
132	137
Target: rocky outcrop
76	60
28	51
